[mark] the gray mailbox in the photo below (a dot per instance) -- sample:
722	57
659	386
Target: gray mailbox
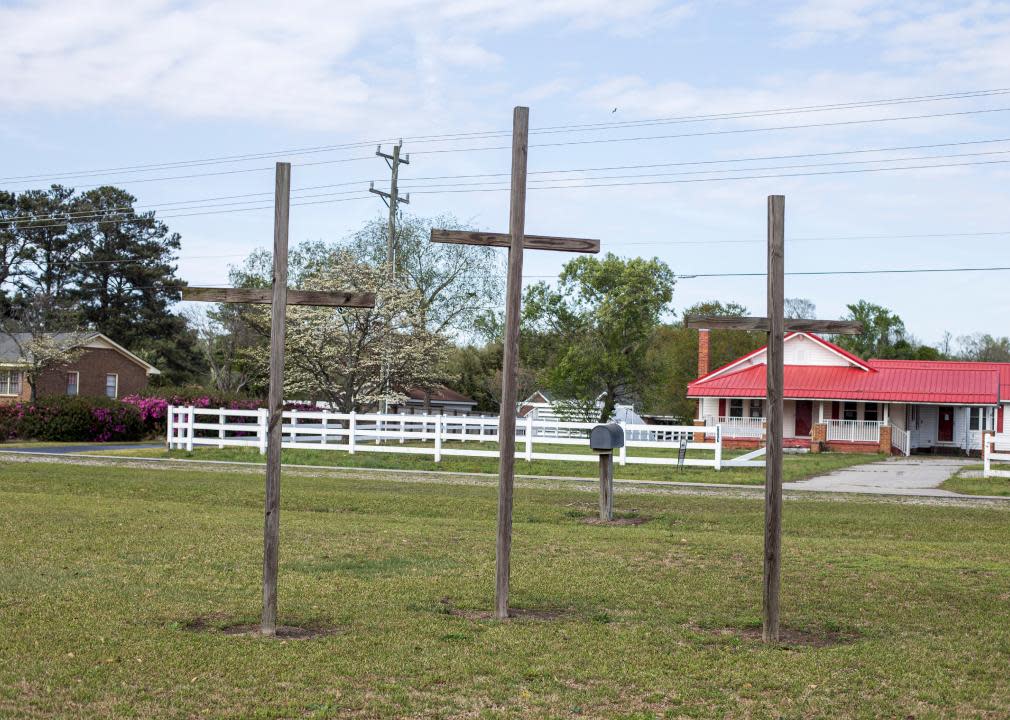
606	437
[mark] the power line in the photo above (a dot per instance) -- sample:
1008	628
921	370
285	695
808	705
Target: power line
716	179
453	136
886	271
737	131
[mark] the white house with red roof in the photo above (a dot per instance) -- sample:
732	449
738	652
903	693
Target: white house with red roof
837	401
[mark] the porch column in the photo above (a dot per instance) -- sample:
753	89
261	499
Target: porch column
887	413
820	412
885	439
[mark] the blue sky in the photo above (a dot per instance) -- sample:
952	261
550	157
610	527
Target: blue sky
98	84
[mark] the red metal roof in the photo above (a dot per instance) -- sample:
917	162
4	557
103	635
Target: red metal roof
914	381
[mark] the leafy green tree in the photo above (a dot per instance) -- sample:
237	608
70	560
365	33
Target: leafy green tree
982	347
883	333
51	238
604	314
673	358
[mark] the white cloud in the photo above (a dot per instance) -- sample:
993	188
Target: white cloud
309	63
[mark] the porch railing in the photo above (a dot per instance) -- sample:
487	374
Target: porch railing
854	430
901	440
738	427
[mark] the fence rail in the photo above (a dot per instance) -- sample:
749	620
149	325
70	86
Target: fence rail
995	448
854	430
189	427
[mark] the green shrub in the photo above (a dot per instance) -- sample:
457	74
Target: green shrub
71	419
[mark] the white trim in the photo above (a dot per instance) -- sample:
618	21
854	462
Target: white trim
107	376
77	383
868	400
151	370
19	379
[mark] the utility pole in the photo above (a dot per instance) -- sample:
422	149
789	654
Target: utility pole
392	198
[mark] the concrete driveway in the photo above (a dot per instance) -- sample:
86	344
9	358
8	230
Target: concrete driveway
897	476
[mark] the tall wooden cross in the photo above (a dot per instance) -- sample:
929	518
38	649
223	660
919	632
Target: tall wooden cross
278	297
516	240
776	325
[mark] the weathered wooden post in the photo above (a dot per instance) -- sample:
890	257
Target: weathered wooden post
776	326
604	439
516	240
278	297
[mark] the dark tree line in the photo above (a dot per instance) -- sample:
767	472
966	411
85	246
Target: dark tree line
97	264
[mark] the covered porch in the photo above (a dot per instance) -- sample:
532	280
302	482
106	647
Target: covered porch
855	426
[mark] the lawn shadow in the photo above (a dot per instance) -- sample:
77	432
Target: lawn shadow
217	624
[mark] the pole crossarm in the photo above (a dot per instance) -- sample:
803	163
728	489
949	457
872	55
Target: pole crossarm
724	322
258	296
530	242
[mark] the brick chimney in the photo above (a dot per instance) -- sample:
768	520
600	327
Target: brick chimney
702	353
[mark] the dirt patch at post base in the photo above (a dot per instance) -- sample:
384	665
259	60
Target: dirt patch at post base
788	637
616	522
212	624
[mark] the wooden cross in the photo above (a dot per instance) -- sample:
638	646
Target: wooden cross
776	326
278	297
516	240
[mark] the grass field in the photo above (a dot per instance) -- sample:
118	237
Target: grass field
118	582
796	466
978	485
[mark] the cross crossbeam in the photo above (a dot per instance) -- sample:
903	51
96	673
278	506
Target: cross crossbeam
516	240
264	296
727	322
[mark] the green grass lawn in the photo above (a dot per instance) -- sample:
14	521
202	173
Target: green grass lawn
107	570
978	485
796	466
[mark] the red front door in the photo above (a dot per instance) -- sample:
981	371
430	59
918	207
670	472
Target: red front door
804	417
945	428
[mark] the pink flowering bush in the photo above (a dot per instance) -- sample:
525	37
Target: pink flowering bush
153	405
73	419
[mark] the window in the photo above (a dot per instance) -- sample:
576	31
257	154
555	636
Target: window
755	408
980	419
10	382
871	411
736	407
850	412
111	385
73	380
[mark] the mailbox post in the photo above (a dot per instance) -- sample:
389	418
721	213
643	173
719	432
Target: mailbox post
604	439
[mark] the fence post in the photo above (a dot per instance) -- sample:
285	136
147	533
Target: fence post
378	430
190	421
403	430
438	438
323	433
220	429
293	434
529	437
986	463
261	431
351	423
622	454
718	447
169	426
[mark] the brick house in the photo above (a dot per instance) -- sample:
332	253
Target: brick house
104	369
837	401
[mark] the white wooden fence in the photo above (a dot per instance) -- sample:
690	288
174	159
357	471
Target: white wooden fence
991	446
189	427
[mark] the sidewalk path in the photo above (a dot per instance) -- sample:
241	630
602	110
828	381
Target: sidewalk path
898	476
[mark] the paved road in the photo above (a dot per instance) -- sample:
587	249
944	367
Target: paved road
84	448
898	476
